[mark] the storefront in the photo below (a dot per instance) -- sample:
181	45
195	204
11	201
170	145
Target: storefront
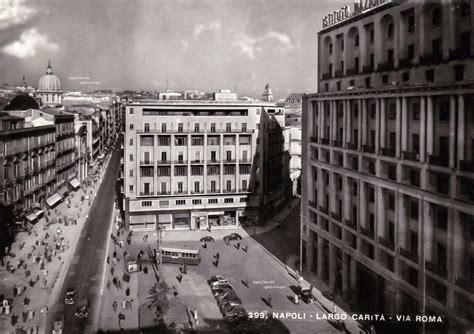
143	222
182	220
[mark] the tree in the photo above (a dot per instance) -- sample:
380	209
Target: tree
158	299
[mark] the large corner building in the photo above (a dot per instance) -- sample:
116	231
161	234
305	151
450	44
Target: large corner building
388	151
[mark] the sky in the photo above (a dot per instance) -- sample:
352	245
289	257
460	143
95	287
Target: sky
152	45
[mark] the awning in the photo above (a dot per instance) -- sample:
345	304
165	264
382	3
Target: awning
53	199
216	213
31	217
62	191
38	212
75	183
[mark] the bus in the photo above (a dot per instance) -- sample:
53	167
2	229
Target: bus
178	255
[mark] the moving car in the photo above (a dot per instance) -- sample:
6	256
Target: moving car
215	278
232	236
58	324
305	293
82	310
207	238
70	296
228	306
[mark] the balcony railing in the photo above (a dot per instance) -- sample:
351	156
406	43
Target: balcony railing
353	71
312	204
213	191
459	54
180	162
325	141
197	191
323	209
149	193
337	143
352	146
438	161
229	190
430	59
245	161
410	156
467	166
368	69
387	66
213	161
327	76
197	162
313	139
465	283
339	74
404	63
336	216
163	192
350	224
386	242
368	149
435	268
183	192
164	162
175	131
244	190
229	161
146	162
388	152
367	232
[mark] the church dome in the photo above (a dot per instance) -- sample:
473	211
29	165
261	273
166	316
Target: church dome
49	81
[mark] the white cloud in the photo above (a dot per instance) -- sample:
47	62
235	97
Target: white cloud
251	46
14	12
29	43
206	27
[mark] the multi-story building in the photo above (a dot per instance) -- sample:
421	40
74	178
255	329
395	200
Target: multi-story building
388	151
194	164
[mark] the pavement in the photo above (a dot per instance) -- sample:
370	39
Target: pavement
43	286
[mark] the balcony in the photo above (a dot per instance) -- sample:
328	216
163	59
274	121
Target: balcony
434	58
367	232
149	193
229	161
182	192
180	162
352	146
353	71
337	143
325	141
213	191
163	193
351	224
410	156
245	161
323	209
339	74
213	161
459	54
197	162
164	162
368	69
435	268
386	242
388	152
387	66
336	216
438	161
242	190
314	139
197	191
229	191
327	76
146	163
404	63
314	205
465	283
467	166
368	149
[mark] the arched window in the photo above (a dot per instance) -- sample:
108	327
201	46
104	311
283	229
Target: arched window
390	31
356	40
330	48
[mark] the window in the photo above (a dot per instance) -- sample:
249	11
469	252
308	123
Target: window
213	127
131	172
459	72
180	156
212	170
436	48
405	76
196	170
228	185
429	75
391	201
244	169
180	141
371	195
163	156
228	127
180	187
442	218
212	140
180	127
228	200
372	111
436	17
392	111
416	111
146	127
411	51
330	48
229	170
342	44
356	40
180	202
131	157
147	171
146	203
351	82
196	201
326	88
131	126
213	186
411	24
197	186
130	188
212	201
196	141
367	82
244	200
196	127
244	127
385	79
131	141
444	111
228	155
244	185
414	209
131	111
213	156
390	31
338	84
371	34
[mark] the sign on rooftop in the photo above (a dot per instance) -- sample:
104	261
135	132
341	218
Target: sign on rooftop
360	7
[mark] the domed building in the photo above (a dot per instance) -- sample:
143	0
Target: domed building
267	94
49	88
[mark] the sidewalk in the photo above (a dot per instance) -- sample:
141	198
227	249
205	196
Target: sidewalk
40	259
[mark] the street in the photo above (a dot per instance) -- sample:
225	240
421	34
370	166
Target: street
85	270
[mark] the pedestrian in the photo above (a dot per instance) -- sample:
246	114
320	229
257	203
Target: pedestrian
108	260
114	280
114	306
114	254
238	245
131	304
108	284
15	290
218	256
185	268
127	292
196	321
119	283
296	299
124	304
112	270
179	277
24	315
128	305
121	317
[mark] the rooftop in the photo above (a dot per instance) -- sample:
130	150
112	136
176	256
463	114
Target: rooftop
200	103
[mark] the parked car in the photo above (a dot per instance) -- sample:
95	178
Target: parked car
305	293
215	278
207	238
58	324
232	236
219	283
228	306
233	298
223	285
82	310
70	297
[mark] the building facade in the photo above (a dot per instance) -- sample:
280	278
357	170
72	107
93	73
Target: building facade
388	156
199	164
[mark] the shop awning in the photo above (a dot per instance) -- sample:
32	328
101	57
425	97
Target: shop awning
75	183
53	199
31	217
216	213
38	212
